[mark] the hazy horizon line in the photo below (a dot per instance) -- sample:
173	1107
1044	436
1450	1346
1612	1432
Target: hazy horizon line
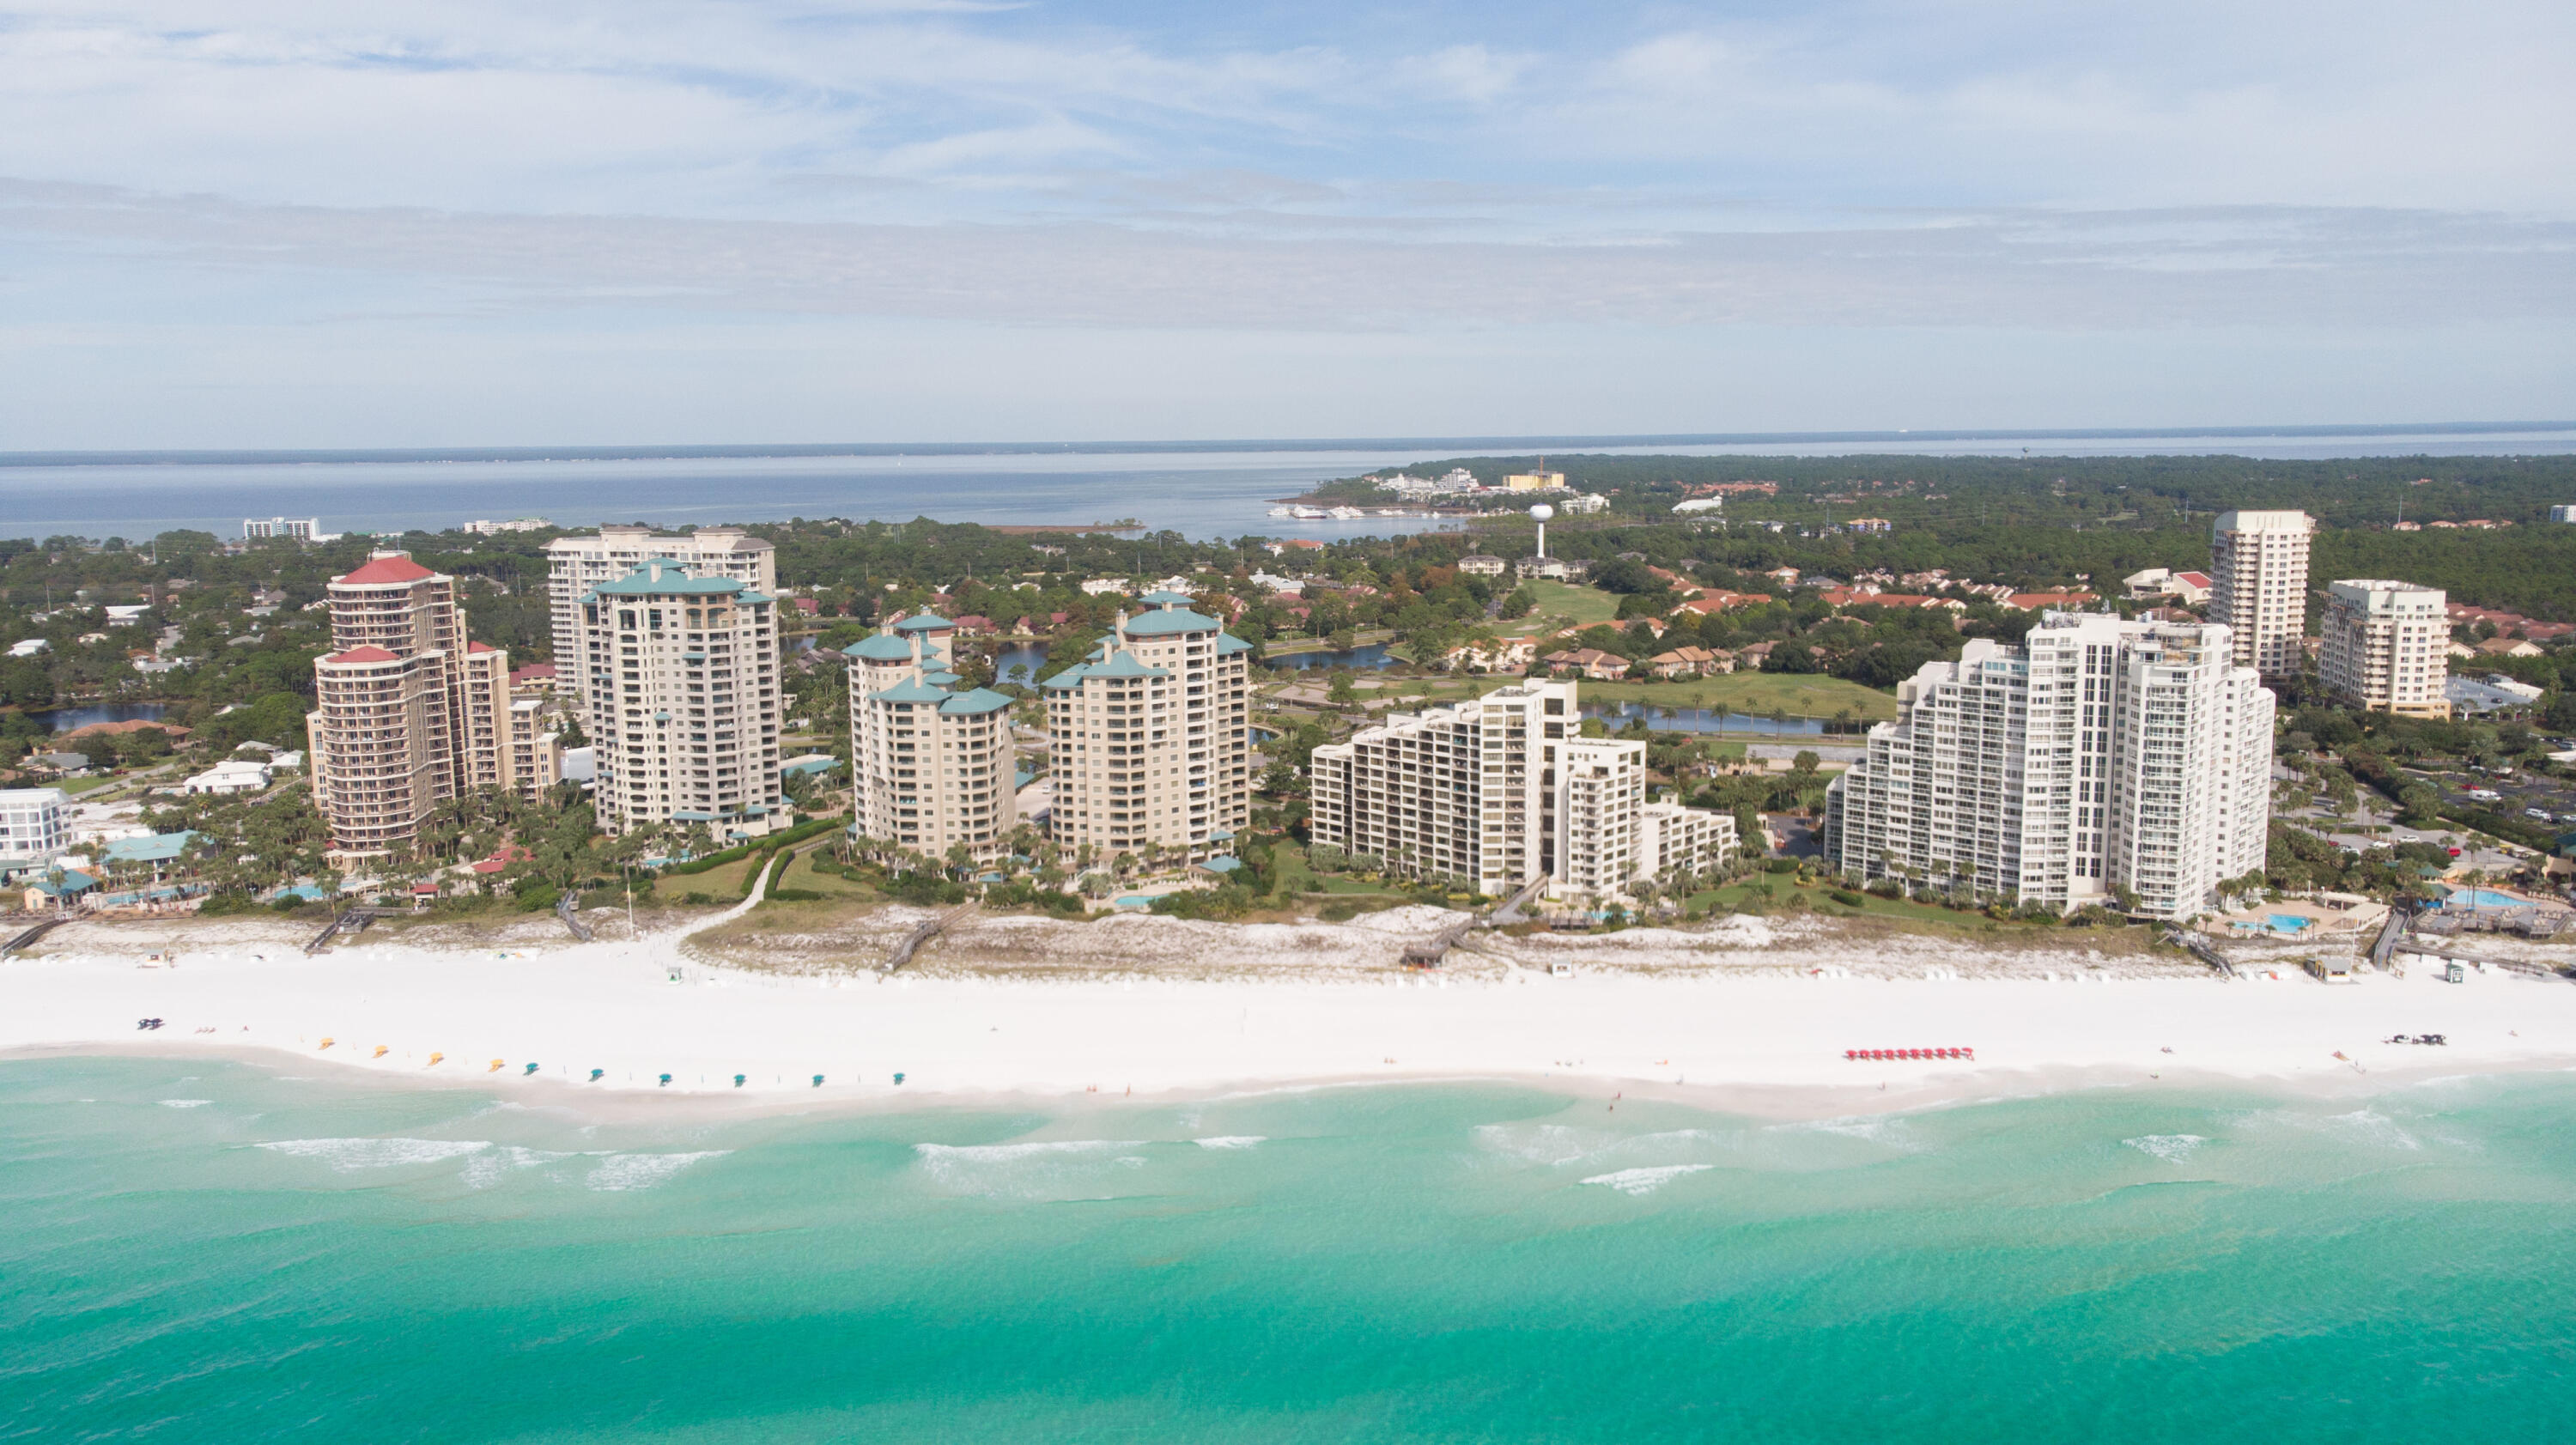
209	456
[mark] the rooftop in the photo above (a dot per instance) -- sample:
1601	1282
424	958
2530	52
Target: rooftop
385	571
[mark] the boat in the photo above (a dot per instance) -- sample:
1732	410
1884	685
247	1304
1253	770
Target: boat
1283	511
1346	514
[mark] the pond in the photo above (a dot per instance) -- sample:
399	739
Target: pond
1615	715
64	719
1019	662
1373	655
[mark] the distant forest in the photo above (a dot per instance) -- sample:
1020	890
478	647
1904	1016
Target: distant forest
2050	521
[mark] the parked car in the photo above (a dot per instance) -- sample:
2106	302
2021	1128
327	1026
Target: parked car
2539	815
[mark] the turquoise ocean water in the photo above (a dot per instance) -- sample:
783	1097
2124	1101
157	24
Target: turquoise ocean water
215	1253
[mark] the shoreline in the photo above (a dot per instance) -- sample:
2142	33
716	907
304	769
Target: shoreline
1761	1041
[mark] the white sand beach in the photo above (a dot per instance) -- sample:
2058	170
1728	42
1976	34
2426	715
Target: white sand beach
1767	1030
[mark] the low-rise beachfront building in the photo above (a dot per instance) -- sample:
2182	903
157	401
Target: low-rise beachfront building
35	828
1502	790
932	762
1673	840
2100	756
1151	737
2384	646
683	686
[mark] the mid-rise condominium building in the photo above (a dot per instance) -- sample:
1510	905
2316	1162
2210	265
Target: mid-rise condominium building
35	828
406	710
2258	572
932	764
2100	755
1504	790
683	682
2386	646
1150	737
580	564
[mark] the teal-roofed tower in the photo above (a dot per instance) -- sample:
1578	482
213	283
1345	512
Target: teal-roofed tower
684	701
931	761
1151	737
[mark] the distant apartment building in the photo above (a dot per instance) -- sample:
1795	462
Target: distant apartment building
1479	565
406	710
581	563
2258	571
515	524
932	763
2562	514
1503	790
302	529
1535	482
1150	737
35	828
682	676
2385	646
2099	755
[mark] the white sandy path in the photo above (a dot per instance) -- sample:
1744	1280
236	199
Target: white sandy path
612	1007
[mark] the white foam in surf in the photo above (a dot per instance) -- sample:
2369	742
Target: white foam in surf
350	1155
2171	1148
1647	1180
621	1172
488	1167
1005	1153
185	1103
1229	1141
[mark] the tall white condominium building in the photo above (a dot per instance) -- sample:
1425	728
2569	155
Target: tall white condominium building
582	563
2258	569
34	828
684	687
933	764
406	710
1504	790
1151	737
2099	755
2386	646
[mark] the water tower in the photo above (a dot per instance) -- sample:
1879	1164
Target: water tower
1540	514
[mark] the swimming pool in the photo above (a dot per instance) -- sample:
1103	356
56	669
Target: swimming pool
2480	898
2288	922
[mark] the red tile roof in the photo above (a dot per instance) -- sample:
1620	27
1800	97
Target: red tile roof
480	647
367	653
382	570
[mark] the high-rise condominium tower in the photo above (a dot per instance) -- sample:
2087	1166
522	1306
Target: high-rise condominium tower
406	710
932	764
2100	755
1503	790
582	563
2385	645
1150	737
2258	568
684	700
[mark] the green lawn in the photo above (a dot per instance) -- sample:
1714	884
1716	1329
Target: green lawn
1571	605
725	882
1735	895
1759	694
74	787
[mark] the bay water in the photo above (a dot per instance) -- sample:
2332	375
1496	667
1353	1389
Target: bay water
215	1252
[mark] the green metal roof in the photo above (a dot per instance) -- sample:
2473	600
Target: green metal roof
980	700
158	848
880	647
1070	677
1180	599
923	622
909	691
941	679
663	577
1155	624
1227	642
1124	664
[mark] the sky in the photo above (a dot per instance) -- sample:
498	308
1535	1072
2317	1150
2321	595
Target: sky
512	222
